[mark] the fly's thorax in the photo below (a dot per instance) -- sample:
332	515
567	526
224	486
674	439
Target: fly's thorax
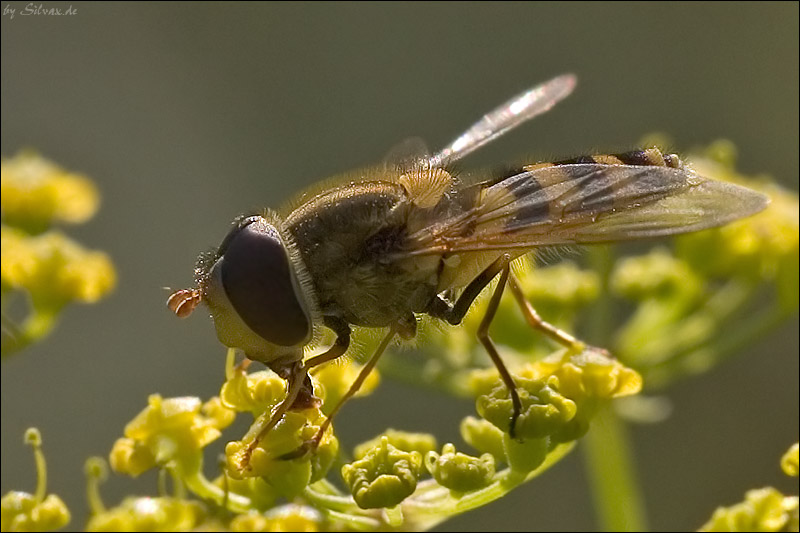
257	291
349	238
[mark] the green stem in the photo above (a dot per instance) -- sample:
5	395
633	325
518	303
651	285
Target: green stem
612	476
431	506
37	325
617	498
737	335
96	473
190	470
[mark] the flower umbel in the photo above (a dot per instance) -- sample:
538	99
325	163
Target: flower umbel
42	265
762	509
37	192
168	429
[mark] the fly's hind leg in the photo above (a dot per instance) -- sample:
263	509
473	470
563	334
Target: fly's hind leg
454	314
537	322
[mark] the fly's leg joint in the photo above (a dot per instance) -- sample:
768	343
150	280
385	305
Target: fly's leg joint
310	445
296	378
488	344
537	322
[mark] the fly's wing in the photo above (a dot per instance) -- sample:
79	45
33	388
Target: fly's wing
584	203
504	118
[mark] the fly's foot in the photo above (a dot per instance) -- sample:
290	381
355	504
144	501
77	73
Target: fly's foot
305	449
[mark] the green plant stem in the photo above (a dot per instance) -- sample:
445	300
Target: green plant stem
606	450
433	504
37	325
190	470
617	498
743	333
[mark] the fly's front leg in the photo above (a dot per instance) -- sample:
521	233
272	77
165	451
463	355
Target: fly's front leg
306	399
311	445
299	393
295	377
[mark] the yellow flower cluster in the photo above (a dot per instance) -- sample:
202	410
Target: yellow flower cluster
43	264
762	509
21	511
289	517
37	193
168	429
150	514
24	512
53	269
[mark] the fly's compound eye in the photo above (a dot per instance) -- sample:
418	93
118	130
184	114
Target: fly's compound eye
260	283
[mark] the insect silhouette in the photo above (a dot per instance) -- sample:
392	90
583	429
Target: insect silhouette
406	238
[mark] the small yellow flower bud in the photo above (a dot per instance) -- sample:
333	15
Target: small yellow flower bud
460	472
334	379
544	410
587	375
384	477
789	461
289	477
483	436
256	393
402	440
130	457
171	428
762	510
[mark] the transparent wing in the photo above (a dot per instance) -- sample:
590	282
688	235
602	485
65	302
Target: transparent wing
585	203
506	117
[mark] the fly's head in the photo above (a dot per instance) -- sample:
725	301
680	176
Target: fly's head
257	290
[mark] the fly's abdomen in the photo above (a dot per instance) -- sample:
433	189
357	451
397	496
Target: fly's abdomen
582	188
651	157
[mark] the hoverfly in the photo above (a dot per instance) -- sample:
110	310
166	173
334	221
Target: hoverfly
399	240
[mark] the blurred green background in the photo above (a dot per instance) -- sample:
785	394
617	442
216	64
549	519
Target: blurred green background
189	114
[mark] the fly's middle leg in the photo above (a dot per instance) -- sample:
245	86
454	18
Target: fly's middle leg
454	314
